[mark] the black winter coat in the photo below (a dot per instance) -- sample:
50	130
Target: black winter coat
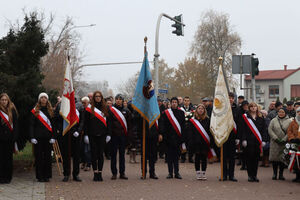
169	134
5	133
116	127
37	129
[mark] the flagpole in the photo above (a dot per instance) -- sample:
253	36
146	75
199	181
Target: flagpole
222	158
222	178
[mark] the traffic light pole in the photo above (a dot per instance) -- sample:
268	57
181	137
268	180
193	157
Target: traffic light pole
156	55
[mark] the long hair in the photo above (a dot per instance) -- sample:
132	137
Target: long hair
49	108
198	116
258	113
9	108
103	107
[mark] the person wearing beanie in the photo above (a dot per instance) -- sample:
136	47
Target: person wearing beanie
42	134
278	137
121	129
293	133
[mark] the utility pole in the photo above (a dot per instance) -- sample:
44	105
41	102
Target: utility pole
179	31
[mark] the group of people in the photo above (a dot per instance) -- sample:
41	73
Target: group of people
181	129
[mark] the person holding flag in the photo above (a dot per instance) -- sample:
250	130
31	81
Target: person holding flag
97	131
8	136
253	137
200	140
145	103
71	130
42	134
172	128
121	128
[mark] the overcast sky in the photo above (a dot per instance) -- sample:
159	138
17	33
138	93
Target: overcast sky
269	28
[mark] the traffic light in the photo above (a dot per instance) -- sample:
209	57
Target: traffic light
254	64
178	27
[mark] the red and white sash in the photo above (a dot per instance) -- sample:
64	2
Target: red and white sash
253	129
156	125
173	121
294	158
44	119
5	118
234	127
182	108
98	113
120	118
205	136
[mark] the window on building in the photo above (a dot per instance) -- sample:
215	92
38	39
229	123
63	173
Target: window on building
295	91
273	91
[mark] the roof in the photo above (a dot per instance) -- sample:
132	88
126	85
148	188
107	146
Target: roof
273	74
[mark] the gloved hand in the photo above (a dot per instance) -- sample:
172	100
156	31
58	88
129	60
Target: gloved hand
244	143
75	134
107	139
86	139
183	146
33	141
52	141
263	144
237	142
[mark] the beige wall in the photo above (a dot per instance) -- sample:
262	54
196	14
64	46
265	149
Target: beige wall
293	79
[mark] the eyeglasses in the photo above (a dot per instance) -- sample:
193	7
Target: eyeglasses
97	96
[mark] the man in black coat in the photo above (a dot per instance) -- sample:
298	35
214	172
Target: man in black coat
229	146
172	127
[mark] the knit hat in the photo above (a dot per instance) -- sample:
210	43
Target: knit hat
43	94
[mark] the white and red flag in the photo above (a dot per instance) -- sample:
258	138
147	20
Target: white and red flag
68	108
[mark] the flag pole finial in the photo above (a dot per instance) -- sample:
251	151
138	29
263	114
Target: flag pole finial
220	60
145	48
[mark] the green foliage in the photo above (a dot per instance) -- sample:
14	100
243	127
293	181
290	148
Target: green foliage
20	55
284	100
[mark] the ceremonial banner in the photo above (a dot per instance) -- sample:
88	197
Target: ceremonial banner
144	100
68	108
221	123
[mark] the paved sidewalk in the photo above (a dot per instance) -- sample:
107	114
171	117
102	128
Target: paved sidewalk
24	187
187	188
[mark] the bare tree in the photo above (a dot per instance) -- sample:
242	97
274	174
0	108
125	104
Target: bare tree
215	37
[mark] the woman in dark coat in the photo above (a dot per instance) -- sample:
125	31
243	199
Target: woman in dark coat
42	134
200	139
253	139
8	136
97	131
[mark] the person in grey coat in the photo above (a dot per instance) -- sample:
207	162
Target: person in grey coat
277	131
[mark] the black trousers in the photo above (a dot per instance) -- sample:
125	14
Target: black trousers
117	143
228	158
42	153
172	159
252	157
203	158
71	147
6	160
97	149
150	154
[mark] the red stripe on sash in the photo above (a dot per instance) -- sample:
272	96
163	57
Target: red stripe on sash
173	123
96	115
112	109
6	122
253	131
42	120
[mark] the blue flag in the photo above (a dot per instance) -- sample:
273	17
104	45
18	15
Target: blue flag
144	100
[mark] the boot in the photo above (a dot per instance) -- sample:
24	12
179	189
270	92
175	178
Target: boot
95	176
275	169
281	168
297	179
100	176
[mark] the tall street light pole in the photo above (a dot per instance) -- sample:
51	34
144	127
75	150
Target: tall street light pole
179	31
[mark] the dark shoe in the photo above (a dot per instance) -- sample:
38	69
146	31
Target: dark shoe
239	163
178	176
256	179
274	177
41	180
100	176
123	176
114	177
233	179
46	180
1	181
251	179
6	181
66	179
95	177
77	179
169	176
153	176
191	160
281	177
